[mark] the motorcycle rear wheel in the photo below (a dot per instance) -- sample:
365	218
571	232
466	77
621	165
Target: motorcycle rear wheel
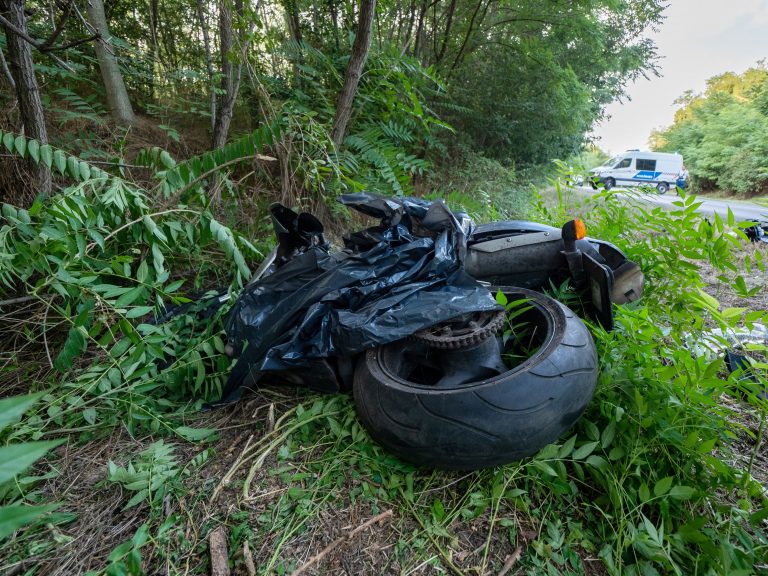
488	422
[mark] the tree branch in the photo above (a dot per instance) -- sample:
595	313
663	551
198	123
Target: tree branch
59	28
72	44
509	20
6	71
24	36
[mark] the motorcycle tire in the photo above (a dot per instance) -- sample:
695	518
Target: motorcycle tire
488	422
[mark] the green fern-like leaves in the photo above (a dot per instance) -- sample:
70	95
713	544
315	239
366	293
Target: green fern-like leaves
54	159
196	169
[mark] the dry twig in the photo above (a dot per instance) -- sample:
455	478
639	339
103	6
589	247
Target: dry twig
248	558
339	541
511	561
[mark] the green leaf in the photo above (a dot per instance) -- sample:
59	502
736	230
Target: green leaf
8	141
682	492
15	458
46	155
21	145
33	147
166	160
14	517
129	297
85	170
154	229
663	486
158	259
74	345
89	415
73	167
138	311
757	517
544	467
60	161
11	409
609	432
142	271
194	434
583	451
567	448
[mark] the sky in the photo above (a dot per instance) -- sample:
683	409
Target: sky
697	40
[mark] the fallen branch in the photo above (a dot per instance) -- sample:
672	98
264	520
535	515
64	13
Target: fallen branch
217	543
339	541
511	561
250	566
19	300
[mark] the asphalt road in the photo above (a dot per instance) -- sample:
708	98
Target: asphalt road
742	211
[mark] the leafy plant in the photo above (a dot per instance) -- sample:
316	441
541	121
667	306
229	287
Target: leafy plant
148	475
518	336
15	458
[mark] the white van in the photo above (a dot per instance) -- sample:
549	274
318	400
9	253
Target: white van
636	168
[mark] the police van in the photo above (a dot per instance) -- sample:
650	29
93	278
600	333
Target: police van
636	168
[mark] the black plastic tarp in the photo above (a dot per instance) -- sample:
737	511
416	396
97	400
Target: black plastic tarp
390	281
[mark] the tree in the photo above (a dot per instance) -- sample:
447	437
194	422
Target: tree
723	133
22	69
230	69
354	70
117	94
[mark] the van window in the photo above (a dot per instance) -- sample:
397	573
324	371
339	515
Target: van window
646	165
624	163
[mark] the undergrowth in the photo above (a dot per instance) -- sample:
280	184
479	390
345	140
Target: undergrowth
647	482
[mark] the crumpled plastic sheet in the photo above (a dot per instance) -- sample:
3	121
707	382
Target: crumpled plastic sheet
391	280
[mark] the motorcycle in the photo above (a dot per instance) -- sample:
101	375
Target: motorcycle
413	315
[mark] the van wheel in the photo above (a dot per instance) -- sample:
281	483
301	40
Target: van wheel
662	187
609	183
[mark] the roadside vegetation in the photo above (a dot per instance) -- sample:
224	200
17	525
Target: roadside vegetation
120	218
723	133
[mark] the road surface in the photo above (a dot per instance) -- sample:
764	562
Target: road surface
742	211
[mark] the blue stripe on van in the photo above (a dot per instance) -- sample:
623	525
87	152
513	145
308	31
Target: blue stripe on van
646	175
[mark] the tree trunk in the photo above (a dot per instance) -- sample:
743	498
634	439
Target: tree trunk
354	70
294	24
154	47
208	62
230	72
27	91
117	95
447	34
420	30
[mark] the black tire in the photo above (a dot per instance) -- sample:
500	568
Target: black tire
488	422
609	183
662	187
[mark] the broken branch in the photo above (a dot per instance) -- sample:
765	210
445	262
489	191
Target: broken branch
511	561
339	541
217	543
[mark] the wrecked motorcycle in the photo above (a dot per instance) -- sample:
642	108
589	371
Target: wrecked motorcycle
406	316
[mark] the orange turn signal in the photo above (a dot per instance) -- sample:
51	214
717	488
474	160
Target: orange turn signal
574	230
581	229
